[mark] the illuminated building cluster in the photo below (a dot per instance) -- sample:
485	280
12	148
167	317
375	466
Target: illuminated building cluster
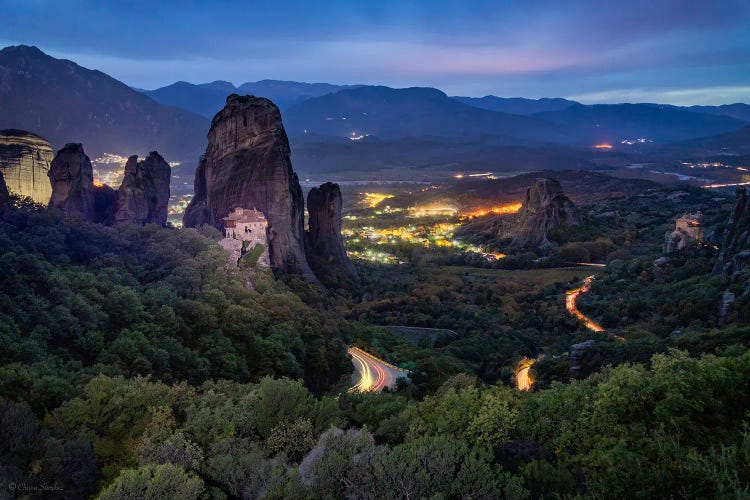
631	142
369	232
372	200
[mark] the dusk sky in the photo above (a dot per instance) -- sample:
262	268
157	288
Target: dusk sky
670	51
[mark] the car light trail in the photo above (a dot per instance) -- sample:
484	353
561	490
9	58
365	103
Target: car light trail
524	381
374	374
570	303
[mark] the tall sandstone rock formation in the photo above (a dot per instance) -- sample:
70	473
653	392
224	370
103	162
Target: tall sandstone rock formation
734	259
24	162
72	179
247	164
544	209
4	197
143	197
325	248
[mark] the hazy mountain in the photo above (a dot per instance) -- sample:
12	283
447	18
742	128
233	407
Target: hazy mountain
205	99
65	102
517	105
410	158
615	122
285	94
208	98
392	113
737	110
736	142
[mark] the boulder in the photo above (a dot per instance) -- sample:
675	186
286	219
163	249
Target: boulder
324	245
247	163
544	209
143	196
72	179
24	162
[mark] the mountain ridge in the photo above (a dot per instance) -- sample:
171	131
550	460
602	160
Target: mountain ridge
49	97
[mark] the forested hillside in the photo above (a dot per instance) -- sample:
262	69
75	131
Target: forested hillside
134	365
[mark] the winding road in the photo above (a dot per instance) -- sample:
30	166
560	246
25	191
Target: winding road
570	303
373	374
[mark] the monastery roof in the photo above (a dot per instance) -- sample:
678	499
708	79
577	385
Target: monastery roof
245	215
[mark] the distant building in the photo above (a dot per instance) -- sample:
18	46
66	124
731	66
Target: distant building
688	232
692	225
246	225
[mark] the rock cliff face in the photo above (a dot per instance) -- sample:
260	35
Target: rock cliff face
4	197
24	161
144	193
545	208
72	181
325	248
247	164
734	259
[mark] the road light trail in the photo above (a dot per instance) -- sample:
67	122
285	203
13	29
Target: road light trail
374	374
570	303
524	381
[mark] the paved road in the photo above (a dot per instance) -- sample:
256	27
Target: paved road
373	374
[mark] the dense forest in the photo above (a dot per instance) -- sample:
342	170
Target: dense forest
134	365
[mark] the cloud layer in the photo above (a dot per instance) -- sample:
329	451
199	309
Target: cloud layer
677	51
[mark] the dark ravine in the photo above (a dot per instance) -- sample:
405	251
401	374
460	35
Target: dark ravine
324	245
247	164
143	196
545	208
72	181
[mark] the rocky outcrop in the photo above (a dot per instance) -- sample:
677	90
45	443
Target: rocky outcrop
688	232
143	196
544	209
24	162
233	248
72	181
577	351
247	164
733	261
325	248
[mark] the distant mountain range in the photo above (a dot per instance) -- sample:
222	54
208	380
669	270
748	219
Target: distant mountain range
208	98
394	113
64	102
517	105
612	123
